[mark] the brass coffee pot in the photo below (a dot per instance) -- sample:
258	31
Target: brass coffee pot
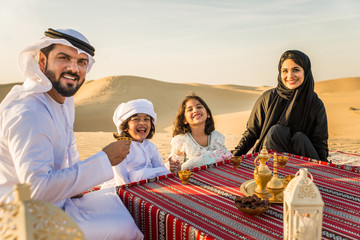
262	173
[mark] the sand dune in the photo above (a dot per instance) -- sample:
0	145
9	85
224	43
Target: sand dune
340	85
230	104
5	88
341	98
97	100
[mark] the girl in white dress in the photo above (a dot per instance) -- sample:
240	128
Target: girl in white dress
195	141
136	120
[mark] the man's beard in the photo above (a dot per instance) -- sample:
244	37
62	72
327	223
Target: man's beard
63	90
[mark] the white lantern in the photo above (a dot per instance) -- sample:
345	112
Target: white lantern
26	218
303	208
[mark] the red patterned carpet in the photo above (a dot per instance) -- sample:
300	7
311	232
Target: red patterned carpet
164	208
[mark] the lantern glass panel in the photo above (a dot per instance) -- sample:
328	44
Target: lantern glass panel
305	221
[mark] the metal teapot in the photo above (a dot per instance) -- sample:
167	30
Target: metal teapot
262	173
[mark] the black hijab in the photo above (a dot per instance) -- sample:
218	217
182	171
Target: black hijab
291	107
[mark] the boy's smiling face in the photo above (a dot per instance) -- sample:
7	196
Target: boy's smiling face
139	127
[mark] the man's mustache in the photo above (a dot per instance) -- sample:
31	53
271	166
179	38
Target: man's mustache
75	75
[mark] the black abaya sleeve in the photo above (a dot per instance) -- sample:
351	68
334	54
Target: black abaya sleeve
319	136
253	126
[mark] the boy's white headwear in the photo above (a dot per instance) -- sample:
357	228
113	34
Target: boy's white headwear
36	81
127	109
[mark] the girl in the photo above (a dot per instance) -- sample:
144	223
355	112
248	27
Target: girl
195	141
136	120
291	117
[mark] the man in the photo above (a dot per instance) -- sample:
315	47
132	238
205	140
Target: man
37	143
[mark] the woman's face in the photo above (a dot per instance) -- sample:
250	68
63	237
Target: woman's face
292	74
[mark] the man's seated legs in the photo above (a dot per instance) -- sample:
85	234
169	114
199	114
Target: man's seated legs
102	215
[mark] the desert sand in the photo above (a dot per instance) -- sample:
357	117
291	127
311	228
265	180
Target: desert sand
230	105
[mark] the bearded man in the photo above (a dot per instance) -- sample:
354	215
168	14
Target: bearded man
37	143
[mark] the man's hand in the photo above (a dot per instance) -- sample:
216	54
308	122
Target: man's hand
117	151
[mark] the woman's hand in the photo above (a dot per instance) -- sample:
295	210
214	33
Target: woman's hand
174	165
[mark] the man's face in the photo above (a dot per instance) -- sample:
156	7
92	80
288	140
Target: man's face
65	68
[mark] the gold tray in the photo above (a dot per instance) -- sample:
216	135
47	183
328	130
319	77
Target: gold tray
248	188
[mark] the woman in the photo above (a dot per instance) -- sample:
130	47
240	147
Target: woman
291	117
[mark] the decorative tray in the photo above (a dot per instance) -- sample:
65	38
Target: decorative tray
248	189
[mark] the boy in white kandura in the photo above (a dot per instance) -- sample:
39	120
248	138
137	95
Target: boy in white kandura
136	120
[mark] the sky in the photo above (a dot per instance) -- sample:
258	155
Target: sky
198	41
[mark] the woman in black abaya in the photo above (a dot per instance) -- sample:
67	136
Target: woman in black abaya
291	117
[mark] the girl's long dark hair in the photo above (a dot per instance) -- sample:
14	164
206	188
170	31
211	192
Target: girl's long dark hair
180	127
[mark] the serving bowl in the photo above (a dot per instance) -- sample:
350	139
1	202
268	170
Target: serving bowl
252	205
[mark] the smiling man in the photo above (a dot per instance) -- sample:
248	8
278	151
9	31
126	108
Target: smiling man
70	65
37	143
